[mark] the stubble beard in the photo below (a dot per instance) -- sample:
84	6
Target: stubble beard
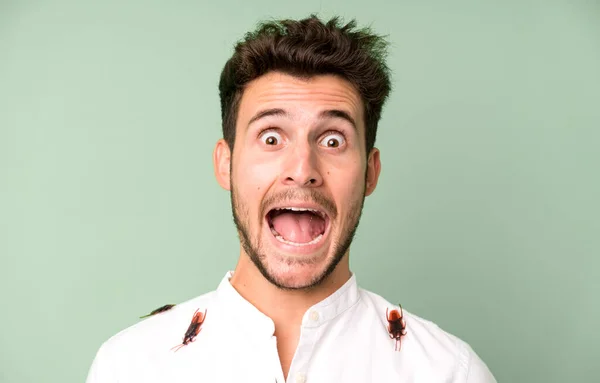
257	255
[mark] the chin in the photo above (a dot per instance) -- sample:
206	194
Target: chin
296	275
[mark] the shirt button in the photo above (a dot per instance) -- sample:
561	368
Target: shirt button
314	316
300	378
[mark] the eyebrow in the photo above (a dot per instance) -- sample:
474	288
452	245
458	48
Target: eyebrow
330	113
267	113
336	113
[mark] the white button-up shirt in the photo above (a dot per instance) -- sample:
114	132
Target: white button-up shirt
343	338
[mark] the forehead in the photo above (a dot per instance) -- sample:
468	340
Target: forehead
300	95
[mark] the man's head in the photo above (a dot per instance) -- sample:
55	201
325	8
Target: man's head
300	104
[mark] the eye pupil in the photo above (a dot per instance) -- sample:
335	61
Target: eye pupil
271	140
332	143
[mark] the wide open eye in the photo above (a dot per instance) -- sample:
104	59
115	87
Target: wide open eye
271	137
333	140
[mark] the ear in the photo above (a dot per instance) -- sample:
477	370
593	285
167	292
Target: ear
373	170
222	163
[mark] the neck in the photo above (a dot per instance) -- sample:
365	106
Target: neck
285	307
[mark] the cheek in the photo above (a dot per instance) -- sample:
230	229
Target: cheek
257	174
347	187
252	179
347	178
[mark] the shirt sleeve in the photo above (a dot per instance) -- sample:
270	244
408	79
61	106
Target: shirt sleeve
477	371
102	369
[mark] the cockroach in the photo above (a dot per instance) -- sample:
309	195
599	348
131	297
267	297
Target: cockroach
159	310
396	325
193	329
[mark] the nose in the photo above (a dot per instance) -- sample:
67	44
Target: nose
301	168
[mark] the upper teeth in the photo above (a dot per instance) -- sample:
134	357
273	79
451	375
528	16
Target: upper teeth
301	209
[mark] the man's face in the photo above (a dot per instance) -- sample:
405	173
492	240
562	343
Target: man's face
299	175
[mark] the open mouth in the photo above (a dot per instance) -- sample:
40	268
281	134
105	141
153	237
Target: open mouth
297	226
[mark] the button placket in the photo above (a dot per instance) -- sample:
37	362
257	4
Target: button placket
275	360
310	332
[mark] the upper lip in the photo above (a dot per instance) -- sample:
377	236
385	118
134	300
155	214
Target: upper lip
301	205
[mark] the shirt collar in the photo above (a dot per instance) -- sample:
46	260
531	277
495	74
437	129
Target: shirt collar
239	309
235	306
334	305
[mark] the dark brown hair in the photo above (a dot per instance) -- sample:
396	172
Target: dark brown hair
307	48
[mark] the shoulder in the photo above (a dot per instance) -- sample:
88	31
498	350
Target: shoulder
158	325
429	345
146	339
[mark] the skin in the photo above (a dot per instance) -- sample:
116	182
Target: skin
304	153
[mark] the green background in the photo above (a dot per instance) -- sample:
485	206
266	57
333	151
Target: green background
485	221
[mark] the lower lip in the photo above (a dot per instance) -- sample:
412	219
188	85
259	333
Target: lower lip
297	249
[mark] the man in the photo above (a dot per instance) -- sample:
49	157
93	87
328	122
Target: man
300	105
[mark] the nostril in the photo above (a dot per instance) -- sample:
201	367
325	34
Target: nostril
308	182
